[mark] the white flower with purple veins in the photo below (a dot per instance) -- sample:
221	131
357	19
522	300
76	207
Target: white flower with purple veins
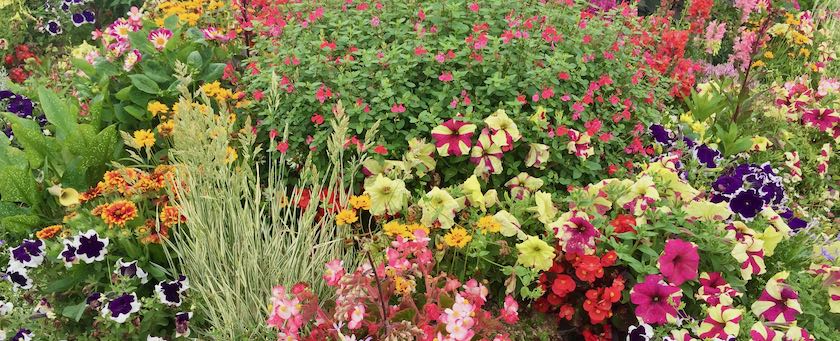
29	254
68	254
169	293
130	270
90	248
121	307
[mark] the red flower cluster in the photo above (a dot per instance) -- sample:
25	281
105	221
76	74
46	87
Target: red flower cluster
670	60
582	281
16	63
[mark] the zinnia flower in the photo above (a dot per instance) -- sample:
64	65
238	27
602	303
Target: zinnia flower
453	137
387	196
656	301
535	253
159	38
679	261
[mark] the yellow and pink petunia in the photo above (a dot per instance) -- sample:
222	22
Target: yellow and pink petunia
778	302
453	137
721	323
487	156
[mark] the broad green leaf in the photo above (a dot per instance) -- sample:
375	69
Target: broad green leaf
58	112
74	312
144	83
35	145
18	185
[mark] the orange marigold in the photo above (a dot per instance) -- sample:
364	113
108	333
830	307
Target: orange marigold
120	180
119	212
93	192
155	235
171	215
48	232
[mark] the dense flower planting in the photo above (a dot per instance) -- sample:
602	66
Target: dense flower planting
442	170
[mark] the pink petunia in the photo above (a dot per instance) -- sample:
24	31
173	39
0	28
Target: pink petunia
679	261
453	137
656	301
445	77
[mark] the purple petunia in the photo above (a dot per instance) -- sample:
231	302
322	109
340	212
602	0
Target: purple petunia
170	292
90	248
746	203
121	307
78	19
68	254
707	156
29	254
22	334
662	135
54	27
131	270
182	324
749	188
18	276
90	17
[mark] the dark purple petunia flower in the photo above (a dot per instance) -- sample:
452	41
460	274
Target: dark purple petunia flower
29	254
120	308
90	247
78	19
23	334
644	332
727	185
662	135
131	270
707	156
68	254
773	193
182	324
169	293
20	105
19	277
54	27
94	300
4	94
90	17
689	142
747	203
65	7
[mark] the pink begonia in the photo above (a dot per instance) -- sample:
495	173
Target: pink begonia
510	313
334	272
357	315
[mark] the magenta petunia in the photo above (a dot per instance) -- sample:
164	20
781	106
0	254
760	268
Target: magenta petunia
453	137
778	303
679	261
656	301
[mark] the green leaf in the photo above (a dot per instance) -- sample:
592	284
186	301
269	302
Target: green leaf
136	111
93	149
17	185
194	59
74	312
124	93
171	22
83	65
144	83
58	112
404	315
65	282
35	145
212	72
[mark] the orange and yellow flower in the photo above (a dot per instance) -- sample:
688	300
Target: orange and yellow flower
171	215
119	213
49	232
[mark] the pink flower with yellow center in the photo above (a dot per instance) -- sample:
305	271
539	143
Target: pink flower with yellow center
453	137
159	38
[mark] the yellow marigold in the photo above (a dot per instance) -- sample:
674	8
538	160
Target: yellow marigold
48	232
395	228
166	128
489	224
119	213
346	217
457	237
157	108
768	55
144	138
360	202
231	155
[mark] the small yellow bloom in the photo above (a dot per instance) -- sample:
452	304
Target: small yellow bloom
805	52
395	228
231	155
360	202
457	237
157	108
415	227
758	64
760	143
346	217
489	224
403	286
144	138
768	55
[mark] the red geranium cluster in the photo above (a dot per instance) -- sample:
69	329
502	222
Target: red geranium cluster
16	63
579	283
